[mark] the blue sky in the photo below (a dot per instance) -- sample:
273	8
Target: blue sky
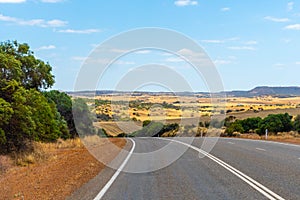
252	43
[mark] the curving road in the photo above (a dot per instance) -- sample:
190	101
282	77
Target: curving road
233	169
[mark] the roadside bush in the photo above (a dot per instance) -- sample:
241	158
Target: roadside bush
154	129
296	123
275	123
234	127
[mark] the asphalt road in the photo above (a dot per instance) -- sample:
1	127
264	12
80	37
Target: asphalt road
233	169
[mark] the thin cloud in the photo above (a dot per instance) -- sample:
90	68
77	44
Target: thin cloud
242	48
193	56
182	3
213	41
274	19
187	54
174	59
293	27
12	1
23	1
290	6
78	58
227	61
297	63
233	39
51	1
279	66
222	62
46	47
119	50
122	62
226	9
143	52
286	40
83	31
251	42
33	22
218	41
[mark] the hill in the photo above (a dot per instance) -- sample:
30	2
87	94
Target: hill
267	91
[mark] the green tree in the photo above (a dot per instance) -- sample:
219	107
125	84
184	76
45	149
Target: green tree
63	104
82	117
146	122
250	124
18	63
276	123
33	119
154	129
6	113
25	114
235	127
296	123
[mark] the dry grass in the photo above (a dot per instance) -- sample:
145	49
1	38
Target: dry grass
196	106
112	128
43	151
61	144
57	178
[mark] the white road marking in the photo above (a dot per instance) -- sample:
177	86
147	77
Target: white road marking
260	149
113	178
230	142
256	185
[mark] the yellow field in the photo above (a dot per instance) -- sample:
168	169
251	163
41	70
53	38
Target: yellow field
187	110
188	107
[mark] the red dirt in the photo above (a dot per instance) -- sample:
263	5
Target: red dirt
56	178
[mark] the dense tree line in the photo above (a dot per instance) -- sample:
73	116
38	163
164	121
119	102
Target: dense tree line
26	113
275	123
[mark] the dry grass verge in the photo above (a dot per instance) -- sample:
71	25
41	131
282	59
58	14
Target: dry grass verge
53	171
44	151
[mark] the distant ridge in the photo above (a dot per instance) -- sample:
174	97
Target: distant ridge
267	91
276	91
256	92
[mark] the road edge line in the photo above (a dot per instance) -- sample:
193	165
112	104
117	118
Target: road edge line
116	174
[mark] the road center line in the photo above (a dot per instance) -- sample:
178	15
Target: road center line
260	149
230	142
113	178
256	185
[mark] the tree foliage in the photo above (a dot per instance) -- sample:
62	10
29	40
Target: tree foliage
18	63
296	123
82	117
63	104
274	123
25	114
235	127
154	129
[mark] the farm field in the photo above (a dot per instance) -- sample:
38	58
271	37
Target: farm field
116	113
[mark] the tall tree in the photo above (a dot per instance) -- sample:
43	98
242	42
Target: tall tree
25	114
18	63
82	117
63	104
